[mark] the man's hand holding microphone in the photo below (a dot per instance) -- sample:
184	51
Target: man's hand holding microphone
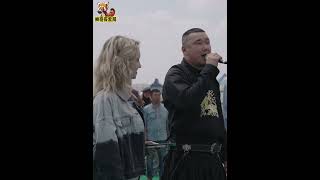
214	59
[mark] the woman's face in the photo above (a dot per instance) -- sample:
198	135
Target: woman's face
135	66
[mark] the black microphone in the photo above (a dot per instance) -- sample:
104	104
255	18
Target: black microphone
222	62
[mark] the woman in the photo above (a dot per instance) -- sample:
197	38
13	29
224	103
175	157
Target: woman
118	152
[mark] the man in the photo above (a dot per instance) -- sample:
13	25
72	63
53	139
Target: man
192	96
146	96
156	116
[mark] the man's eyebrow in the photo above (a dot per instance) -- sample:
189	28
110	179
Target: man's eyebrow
198	40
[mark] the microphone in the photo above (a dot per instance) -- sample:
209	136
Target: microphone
222	62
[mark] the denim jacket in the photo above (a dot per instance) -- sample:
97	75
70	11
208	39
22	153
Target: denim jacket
156	122
118	151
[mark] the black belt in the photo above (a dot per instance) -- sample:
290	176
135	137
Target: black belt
186	148
213	148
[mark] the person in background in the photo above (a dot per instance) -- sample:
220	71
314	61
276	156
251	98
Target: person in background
156	116
146	96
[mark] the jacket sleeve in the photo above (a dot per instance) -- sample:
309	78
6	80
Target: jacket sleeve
107	160
184	94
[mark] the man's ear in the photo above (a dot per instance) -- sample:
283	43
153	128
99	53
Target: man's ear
183	49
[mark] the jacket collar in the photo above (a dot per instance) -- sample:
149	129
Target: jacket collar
124	94
189	66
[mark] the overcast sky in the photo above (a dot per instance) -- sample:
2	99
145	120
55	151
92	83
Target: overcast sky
159	25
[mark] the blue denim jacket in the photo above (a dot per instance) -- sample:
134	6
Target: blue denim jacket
118	151
156	118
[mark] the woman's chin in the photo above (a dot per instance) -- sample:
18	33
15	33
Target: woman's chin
134	76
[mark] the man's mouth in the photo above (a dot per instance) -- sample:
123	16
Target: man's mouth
204	56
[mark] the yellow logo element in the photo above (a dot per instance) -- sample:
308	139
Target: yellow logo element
209	105
105	14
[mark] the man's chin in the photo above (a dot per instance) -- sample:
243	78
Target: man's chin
202	63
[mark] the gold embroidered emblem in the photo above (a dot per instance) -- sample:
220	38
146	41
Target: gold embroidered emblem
209	105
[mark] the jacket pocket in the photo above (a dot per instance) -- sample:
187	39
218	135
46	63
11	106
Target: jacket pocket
123	121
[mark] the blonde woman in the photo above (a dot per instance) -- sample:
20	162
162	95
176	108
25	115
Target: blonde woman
118	152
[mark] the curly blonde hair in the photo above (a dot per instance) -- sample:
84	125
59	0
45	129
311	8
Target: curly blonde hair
114	65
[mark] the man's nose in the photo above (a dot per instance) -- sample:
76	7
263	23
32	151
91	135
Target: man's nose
206	48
